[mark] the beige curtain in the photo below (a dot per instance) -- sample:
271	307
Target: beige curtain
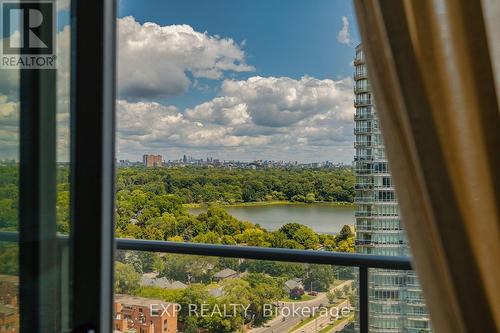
430	67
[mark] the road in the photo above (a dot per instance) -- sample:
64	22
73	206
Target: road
282	324
319	323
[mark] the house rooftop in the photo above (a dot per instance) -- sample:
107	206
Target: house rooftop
161	283
292	284
226	272
139	301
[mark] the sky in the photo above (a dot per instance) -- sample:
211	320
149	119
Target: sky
228	79
245	80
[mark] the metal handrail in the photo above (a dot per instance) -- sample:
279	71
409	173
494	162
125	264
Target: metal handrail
362	261
266	253
251	252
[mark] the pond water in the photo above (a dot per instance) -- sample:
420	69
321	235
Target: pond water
322	218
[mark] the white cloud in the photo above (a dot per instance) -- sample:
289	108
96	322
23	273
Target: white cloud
222	111
344	36
149	126
154	61
281	102
262	116
9	103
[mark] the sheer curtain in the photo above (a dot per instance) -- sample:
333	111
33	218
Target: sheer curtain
433	79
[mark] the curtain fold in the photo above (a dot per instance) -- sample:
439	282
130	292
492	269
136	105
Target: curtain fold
433	82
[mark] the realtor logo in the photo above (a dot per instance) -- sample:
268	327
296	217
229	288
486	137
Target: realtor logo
28	34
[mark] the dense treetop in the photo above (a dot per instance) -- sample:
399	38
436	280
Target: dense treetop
201	185
151	204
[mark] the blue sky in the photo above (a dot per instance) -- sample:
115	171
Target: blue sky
289	38
228	79
234	79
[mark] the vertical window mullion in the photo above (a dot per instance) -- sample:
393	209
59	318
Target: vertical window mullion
38	254
92	162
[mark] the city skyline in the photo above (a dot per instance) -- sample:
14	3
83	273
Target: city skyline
140	159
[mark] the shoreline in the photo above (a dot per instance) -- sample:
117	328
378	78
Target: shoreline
341	204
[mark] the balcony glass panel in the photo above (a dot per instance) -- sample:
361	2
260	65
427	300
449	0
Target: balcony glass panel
222	140
173	292
9	195
396	303
52	279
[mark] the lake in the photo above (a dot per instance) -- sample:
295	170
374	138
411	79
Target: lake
322	218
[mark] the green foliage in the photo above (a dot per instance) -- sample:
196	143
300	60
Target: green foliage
187	268
331	297
274	268
346	245
319	277
126	278
9	254
345	233
9	196
149	204
197	185
167	295
301	234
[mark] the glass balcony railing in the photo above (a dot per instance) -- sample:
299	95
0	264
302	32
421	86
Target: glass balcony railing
362	102
364	116
360	75
175	285
221	294
361	89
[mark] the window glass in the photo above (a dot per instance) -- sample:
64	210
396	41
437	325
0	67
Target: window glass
167	292
57	18
233	133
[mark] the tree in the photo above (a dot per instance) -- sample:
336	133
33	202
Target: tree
9	257
296	293
346	289
301	234
228	240
274	268
208	238
353	298
191	324
332	299
346	246
344	234
126	278
319	277
188	268
252	237
149	261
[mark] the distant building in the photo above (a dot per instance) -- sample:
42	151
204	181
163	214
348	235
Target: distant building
138	314
226	273
9	319
9	310
152	160
293	284
395	297
294	288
